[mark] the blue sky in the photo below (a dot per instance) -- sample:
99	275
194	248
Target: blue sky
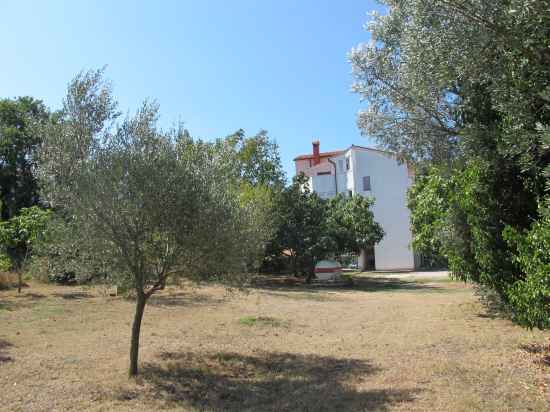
216	65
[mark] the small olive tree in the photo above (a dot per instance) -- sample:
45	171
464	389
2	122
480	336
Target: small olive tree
148	204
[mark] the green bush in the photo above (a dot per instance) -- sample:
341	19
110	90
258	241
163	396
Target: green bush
5	263
486	236
530	297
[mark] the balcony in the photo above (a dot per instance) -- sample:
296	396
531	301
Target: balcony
323	185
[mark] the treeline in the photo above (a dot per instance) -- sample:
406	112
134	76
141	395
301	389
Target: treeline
286	228
462	89
90	195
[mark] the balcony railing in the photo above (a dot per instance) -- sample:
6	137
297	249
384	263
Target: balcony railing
326	195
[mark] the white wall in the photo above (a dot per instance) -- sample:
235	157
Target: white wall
350	175
341	173
323	185
389	183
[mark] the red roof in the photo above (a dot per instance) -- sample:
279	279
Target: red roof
323	154
339	152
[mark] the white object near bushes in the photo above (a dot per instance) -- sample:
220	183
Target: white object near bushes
328	270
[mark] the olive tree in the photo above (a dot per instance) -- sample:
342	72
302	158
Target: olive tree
148	204
461	89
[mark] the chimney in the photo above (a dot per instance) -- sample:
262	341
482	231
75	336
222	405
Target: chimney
316	154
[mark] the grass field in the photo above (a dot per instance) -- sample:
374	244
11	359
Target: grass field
388	343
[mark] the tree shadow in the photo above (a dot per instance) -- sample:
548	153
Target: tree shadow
298	295
73	295
4	344
20	301
492	303
541	352
491	315
33	296
384	284
356	284
266	381
183	299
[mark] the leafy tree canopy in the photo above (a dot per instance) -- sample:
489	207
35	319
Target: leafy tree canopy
351	223
19	140
258	158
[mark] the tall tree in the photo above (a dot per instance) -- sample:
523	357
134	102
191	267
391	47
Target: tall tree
19	140
432	65
149	204
259	169
464	86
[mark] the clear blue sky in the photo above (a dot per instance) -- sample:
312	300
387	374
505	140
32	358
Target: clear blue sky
216	65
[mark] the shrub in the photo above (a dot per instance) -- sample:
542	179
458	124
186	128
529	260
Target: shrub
5	263
530	297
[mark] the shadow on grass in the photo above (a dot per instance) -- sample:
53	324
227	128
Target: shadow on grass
73	295
182	299
360	283
265	382
300	295
4	344
368	284
34	296
493	305
541	352
20	301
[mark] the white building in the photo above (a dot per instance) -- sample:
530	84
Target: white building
368	172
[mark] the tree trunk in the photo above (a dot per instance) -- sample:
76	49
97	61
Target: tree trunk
363	260
134	344
19	269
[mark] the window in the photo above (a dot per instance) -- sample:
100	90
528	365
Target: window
350	193
366	183
323	173
347	163
341	165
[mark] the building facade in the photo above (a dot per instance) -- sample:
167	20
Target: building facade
368	172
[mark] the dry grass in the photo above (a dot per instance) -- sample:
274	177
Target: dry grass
383	344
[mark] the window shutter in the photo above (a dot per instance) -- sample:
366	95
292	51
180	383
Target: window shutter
366	183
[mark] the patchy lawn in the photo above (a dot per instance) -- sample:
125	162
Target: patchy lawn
387	343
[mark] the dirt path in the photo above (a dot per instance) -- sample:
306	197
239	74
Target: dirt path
388	343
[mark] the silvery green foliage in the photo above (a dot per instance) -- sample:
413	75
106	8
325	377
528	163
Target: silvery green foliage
426	55
144	204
